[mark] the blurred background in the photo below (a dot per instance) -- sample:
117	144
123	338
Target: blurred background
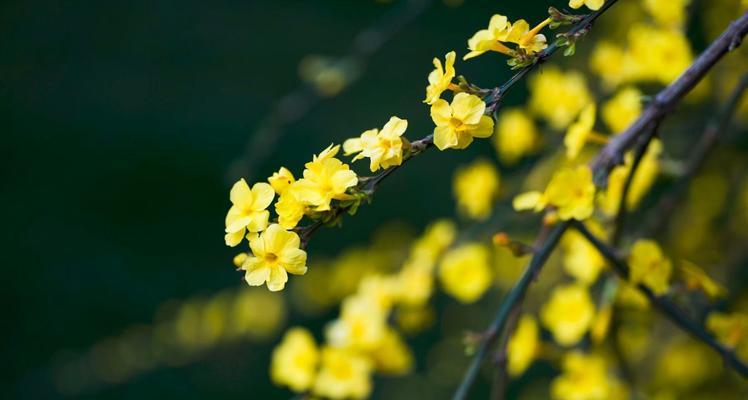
124	126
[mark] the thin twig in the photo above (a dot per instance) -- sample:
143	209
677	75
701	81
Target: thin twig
662	304
370	184
641	150
708	141
514	296
501	375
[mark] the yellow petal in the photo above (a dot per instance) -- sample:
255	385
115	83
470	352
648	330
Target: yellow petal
468	108
352	146
444	137
258	221
484	128
240	194
234	238
527	201
343	179
394	128
294	260
277	279
236	219
257	271
441	112
263	195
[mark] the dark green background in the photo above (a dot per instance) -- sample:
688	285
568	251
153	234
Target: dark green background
120	121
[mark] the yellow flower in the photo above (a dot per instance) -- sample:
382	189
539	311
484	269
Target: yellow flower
558	97
281	180
629	295
344	374
649	266
289	208
516	135
274	253
459	122
730	329
591	4
392	356
623	109
464	272
668	13
295	359
568	314
571	191
440	78
646	174
325	178
608	60
581	259
523	345
580	131
384	148
490	39
248	210
475	188
695	278
530	40
361	325
659	55
586	377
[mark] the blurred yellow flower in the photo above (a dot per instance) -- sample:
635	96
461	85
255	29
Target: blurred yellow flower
516	135
570	190
608	61
580	131
274	253
730	329
248	211
623	109
649	266
344	374
646	175
580	258
696	279
384	148
281	180
458	123
586	377
440	78
361	325
558	97
591	4
475	187
294	361
568	314
392	356
490	39
325	178
523	345
668	13
464	272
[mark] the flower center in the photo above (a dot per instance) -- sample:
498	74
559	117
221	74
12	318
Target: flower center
271	258
455	123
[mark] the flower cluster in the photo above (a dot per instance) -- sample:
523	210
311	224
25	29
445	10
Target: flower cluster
361	340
